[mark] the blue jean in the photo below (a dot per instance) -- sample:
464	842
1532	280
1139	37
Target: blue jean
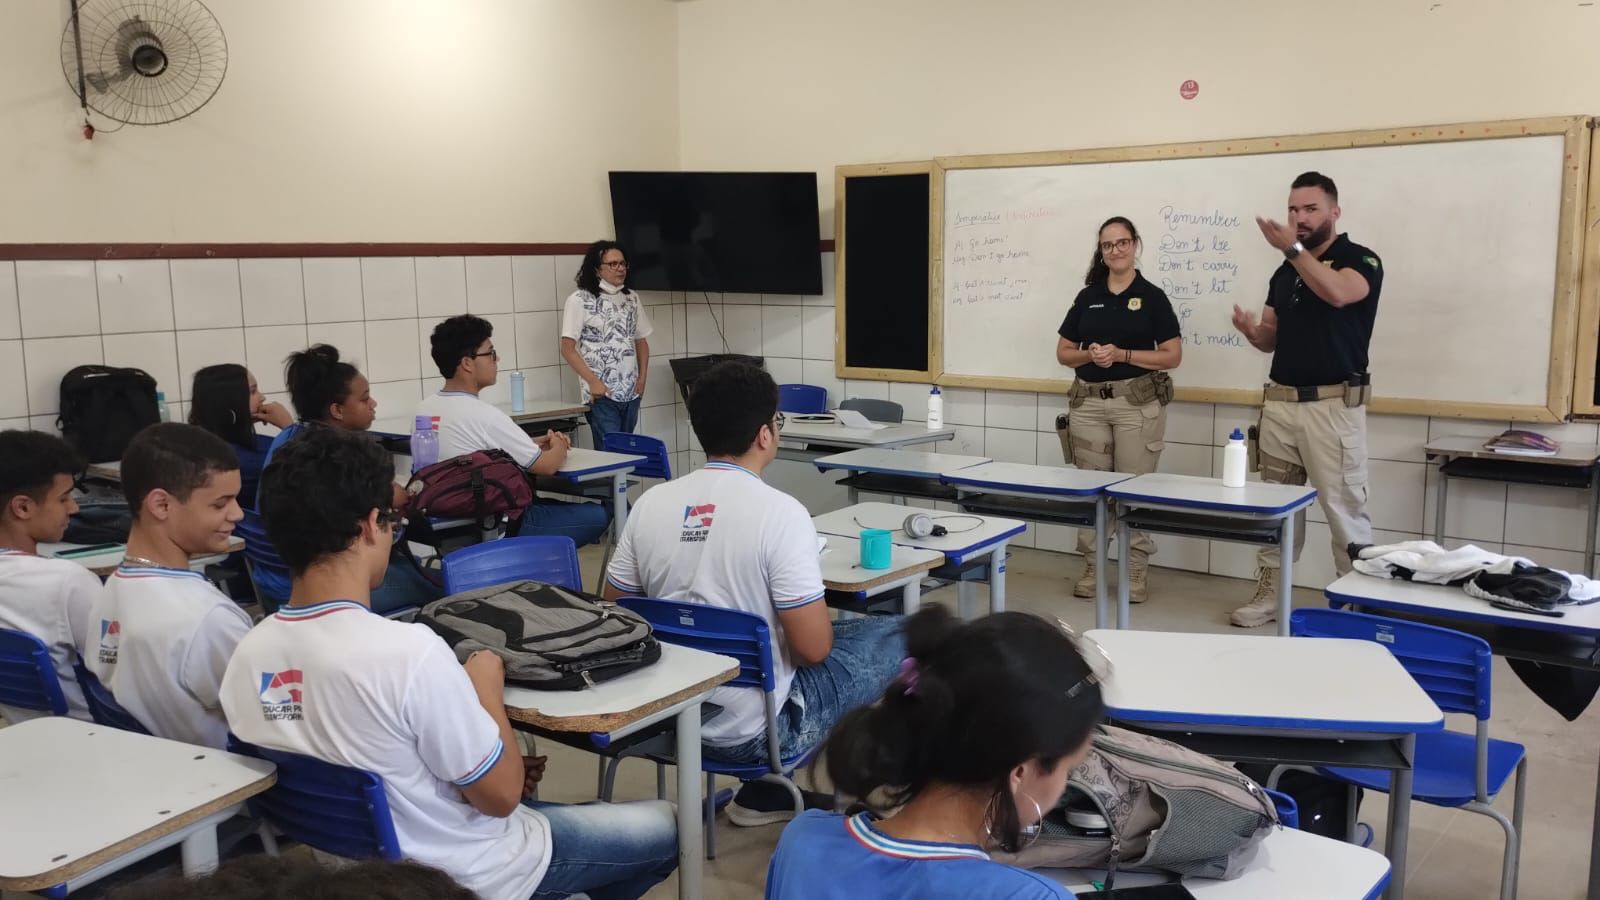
403	586
865	658
610	851
607	415
583	522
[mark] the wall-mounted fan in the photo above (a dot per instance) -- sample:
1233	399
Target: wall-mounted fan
143	62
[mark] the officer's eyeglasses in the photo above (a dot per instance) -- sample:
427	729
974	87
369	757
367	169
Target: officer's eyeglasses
1118	244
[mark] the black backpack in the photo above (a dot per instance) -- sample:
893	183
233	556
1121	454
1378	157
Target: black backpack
103	407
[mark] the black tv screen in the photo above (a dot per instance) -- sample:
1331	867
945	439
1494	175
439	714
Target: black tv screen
719	232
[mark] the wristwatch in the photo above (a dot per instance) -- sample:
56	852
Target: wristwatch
1295	250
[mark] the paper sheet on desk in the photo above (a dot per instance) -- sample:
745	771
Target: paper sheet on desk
849	418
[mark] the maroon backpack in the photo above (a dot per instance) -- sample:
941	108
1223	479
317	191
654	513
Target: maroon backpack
479	485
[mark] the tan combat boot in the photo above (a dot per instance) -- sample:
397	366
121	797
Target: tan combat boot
1263	607
1085	586
1137	568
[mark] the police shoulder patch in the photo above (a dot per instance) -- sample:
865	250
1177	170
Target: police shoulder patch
1372	262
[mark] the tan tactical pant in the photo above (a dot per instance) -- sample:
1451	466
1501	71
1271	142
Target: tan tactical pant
1326	442
1113	435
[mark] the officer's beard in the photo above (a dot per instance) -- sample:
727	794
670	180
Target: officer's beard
1318	237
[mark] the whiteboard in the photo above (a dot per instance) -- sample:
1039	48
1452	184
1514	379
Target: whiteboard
1470	234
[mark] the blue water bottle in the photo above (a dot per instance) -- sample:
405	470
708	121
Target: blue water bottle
424	443
516	392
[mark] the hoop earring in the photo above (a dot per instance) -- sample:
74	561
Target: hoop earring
233	417
1028	834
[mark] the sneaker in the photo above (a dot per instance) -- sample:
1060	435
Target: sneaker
764	803
1138	569
1263	607
1086	584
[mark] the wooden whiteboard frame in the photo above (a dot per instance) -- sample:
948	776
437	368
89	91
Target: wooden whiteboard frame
1589	295
935	271
1569	249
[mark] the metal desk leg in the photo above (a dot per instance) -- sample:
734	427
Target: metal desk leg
964	599
1285	573
1594	509
1441	490
997	578
911	600
691	834
199	852
1102	612
1122	581
619	505
1400	821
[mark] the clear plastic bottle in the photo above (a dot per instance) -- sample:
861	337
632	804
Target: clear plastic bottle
425	443
935	409
161	407
517	399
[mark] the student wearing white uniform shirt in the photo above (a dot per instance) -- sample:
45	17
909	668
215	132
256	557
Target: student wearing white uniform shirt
463	349
604	329
326	677
51	599
165	632
722	537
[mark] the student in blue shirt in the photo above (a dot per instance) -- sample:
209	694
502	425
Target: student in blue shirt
971	744
225	401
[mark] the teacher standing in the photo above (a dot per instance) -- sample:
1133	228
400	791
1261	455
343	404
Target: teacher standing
1120	337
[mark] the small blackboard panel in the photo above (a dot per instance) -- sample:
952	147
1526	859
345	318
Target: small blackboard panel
884	280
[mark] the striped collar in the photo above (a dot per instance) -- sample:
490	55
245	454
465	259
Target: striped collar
720	466
126	571
443	393
860	828
315	610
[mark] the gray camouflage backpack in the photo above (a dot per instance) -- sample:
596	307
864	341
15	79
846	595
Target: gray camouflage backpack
551	638
1170	809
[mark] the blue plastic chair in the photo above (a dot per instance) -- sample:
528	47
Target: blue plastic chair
745	637
802	398
658	464
104	708
260	556
1451	769
333	808
27	674
1288	809
552	559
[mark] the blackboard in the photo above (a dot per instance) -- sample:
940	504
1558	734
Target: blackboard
881	241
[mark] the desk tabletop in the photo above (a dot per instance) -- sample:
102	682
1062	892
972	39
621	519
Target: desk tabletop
1262	684
103	564
903	435
535	409
1472	447
1208	494
582	464
1454	603
842	571
79	794
679	675
1030	479
956	546
916	463
1287	863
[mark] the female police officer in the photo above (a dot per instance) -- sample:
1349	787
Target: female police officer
1120	336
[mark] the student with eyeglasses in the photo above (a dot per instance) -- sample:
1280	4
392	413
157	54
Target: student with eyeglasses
604	338
1120	337
970	745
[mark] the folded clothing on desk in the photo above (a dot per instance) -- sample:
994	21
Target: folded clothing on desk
1508	582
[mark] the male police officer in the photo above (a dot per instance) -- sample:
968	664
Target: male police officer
1321	304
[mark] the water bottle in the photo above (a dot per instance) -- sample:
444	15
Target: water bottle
1235	460
424	443
935	409
516	392
161	407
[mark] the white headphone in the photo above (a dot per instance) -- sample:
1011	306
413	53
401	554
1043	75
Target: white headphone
921	525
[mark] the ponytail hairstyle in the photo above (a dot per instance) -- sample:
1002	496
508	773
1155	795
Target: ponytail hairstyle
985	697
1098	270
317	379
219	402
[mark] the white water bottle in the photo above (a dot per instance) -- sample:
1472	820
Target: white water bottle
1235	460
424	443
935	409
161	407
517	400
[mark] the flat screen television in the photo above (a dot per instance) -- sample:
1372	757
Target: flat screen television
719	232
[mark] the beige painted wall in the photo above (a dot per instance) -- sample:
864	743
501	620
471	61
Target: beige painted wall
355	120
785	85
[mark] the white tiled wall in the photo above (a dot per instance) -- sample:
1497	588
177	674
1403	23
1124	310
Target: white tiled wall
172	318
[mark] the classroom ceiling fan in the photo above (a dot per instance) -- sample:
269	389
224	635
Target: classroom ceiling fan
142	62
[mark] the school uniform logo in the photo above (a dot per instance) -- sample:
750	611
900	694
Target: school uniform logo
1135	304
697	522
110	637
281	695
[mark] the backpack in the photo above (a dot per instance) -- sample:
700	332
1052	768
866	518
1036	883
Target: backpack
551	638
477	485
1170	809
103	407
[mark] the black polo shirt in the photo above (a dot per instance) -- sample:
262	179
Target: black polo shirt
1319	343
1139	318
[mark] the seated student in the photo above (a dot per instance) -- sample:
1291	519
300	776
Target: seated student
166	633
226	401
51	599
722	537
324	677
464	352
970	745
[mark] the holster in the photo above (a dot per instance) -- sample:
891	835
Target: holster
1358	390
1253	444
1064	433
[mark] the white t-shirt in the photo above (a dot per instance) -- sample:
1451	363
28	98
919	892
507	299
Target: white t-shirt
605	328
723	537
336	682
53	600
468	423
165	639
